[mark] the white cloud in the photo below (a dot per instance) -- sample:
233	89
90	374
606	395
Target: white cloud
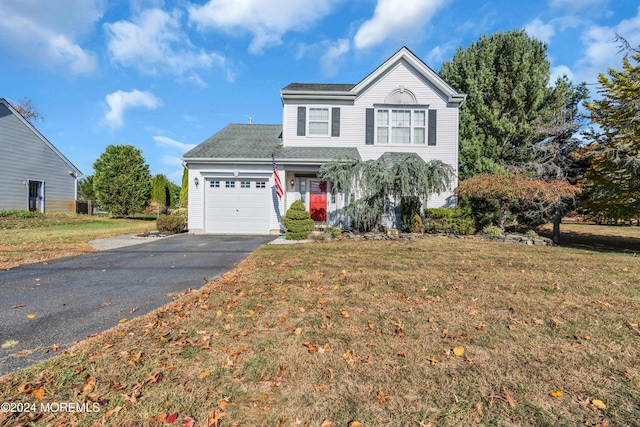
47	31
171	160
119	101
332	56
164	141
266	20
601	50
396	21
540	30
153	42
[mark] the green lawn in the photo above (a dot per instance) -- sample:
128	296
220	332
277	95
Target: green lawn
24	240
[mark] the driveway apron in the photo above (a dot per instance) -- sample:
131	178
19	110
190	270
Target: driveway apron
68	299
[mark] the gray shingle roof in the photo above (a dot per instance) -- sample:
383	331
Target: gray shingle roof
320	87
258	142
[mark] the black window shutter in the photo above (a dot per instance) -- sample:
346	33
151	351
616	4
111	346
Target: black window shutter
432	127
369	127
302	120
335	121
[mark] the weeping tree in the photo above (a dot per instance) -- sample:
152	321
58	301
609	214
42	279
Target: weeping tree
381	183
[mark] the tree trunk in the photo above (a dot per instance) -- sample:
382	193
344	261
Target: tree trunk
557	218
504	208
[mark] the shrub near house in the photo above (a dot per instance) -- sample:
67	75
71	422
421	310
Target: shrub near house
297	222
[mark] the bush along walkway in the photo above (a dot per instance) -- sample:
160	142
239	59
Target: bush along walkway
508	238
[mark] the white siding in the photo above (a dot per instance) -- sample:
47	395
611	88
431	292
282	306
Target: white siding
352	126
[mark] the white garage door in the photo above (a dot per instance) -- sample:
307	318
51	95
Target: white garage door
237	206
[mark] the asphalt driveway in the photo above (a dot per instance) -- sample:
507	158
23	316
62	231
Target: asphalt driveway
74	297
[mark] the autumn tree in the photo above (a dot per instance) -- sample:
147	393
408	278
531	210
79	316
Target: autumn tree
613	180
507	189
27	110
381	183
122	182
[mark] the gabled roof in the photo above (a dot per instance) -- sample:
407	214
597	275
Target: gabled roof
256	143
350	91
35	131
405	54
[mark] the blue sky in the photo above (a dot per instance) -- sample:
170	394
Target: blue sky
165	75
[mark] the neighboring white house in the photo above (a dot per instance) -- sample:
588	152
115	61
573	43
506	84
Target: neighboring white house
34	175
402	107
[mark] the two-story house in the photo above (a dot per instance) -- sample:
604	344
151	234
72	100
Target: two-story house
402	107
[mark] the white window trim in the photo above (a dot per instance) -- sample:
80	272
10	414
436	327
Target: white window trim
412	127
309	121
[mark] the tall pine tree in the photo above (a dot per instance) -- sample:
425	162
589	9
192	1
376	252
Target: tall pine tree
612	190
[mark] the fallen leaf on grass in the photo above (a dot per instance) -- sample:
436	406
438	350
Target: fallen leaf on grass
598	404
458	351
117	409
326	423
213	419
354	423
223	404
310	346
9	344
205	374
172	418
556	393
188	422
381	397
38	393
345	314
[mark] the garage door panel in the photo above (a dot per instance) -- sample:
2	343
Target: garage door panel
236	210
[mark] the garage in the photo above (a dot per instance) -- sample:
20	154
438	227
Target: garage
236	206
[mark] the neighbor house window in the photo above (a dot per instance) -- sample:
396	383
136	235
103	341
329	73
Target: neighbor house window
400	126
245	184
214	184
318	121
230	184
261	184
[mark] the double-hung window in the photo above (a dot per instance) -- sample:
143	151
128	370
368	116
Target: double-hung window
319	121
400	126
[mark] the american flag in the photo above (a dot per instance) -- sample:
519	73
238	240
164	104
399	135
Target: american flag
276	178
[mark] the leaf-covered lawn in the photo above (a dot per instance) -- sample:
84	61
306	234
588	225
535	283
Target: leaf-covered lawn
436	331
27	240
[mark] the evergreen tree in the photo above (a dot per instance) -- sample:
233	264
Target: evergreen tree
85	188
161	190
122	182
184	190
510	107
613	180
514	121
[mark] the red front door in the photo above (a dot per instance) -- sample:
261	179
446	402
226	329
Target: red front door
318	200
